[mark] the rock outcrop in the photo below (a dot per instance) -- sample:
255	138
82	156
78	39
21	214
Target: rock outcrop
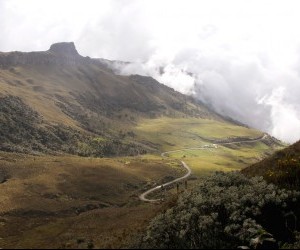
59	54
66	49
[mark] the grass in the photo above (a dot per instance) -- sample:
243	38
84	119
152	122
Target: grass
52	201
206	161
106	228
178	133
173	134
68	201
39	203
183	133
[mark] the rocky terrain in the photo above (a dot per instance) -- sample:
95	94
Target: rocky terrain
58	54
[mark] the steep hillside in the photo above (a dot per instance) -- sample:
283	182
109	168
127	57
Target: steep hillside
59	101
59	96
283	168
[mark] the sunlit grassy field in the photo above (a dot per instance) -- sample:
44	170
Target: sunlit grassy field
179	133
185	133
206	161
73	202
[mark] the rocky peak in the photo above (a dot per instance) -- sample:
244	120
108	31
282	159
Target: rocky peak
68	49
59	54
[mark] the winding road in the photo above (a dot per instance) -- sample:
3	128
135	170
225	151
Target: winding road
189	171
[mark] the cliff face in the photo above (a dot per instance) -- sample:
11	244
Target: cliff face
59	54
66	49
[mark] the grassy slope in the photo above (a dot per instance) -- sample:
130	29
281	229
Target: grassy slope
51	201
203	162
42	87
39	201
180	133
282	168
95	102
173	134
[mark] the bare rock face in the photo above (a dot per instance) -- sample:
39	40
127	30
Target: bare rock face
67	49
59	54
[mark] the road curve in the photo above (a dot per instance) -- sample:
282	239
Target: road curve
189	171
143	196
245	141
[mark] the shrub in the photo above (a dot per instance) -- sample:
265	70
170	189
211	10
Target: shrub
23	130
227	210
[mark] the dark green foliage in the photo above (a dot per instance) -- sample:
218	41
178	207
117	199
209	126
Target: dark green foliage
227	210
294	245
16	120
90	245
112	147
23	130
282	169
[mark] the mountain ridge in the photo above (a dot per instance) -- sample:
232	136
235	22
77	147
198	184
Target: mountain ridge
79	143
79	98
63	53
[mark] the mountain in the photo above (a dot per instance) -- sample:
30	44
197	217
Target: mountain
58	97
282	168
60	101
57	104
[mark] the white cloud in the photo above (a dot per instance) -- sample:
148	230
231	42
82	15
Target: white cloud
285	117
232	54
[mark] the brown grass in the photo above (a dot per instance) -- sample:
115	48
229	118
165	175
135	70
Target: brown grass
54	201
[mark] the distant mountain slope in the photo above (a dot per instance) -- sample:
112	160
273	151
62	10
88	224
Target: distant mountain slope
283	168
65	76
60	101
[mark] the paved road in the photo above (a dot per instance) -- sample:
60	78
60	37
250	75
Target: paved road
212	145
189	171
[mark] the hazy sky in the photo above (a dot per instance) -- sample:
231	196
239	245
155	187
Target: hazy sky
241	57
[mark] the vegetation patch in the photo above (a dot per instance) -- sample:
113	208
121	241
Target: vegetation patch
282	168
220	158
178	133
23	130
228	210
51	201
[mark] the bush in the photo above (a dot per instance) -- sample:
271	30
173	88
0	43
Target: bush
23	130
227	210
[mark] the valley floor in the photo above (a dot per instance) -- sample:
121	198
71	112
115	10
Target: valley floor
74	202
52	109
68	201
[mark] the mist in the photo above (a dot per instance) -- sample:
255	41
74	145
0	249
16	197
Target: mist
240	57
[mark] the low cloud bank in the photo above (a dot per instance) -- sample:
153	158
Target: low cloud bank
240	57
251	91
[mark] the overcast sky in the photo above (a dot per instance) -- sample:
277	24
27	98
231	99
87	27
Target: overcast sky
241	57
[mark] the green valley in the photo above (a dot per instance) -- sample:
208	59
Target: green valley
79	145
